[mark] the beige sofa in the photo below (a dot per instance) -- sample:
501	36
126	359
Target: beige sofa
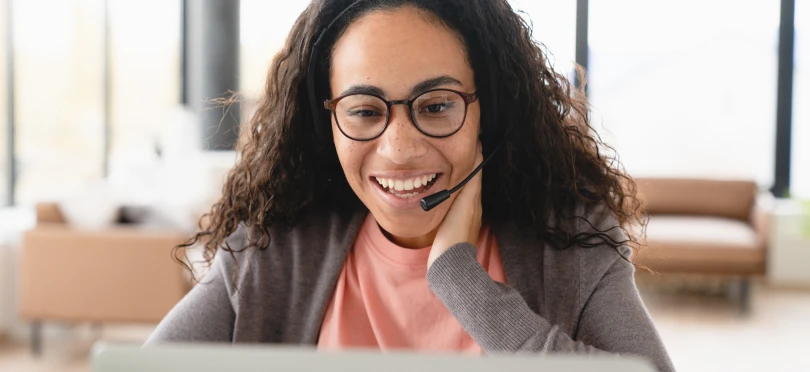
118	274
706	227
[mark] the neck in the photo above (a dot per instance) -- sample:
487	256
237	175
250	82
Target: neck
412	242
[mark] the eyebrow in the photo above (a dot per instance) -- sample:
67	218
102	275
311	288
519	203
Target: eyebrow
416	90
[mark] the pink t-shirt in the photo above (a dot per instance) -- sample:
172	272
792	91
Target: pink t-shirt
382	300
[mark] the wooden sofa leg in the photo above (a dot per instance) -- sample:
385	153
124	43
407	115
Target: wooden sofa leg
745	295
36	338
739	291
98	330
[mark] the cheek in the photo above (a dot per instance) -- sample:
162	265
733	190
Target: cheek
462	151
352	155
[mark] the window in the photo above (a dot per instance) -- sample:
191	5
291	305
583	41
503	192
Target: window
145	77
59	87
800	159
554	25
687	88
265	25
263	28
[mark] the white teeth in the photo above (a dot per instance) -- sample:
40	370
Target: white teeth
407	185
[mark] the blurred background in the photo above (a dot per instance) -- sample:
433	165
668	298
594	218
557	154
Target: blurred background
110	150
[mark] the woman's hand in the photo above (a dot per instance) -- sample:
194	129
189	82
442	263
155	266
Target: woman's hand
463	221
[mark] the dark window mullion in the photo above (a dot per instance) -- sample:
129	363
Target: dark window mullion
784	98
582	37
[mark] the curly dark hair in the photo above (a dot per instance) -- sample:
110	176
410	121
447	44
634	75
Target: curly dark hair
551	166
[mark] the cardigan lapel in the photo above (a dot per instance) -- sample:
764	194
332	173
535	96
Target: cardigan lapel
333	257
522	256
537	271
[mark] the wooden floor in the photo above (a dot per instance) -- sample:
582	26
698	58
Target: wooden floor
703	332
68	351
709	333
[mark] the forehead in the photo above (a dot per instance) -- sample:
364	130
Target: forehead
395	50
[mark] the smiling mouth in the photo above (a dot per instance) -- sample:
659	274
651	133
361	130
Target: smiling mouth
407	188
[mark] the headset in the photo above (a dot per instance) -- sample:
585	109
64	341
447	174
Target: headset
431	201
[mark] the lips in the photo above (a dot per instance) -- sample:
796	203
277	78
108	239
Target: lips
386	183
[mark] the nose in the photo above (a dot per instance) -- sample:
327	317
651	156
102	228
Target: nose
401	142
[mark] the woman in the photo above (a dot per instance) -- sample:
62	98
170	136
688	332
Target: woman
319	237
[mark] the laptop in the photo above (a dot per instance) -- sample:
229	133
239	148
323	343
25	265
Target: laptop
116	357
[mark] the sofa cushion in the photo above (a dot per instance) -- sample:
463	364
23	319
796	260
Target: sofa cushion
700	197
710	231
701	245
116	274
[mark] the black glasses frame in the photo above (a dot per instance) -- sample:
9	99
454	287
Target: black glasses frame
331	105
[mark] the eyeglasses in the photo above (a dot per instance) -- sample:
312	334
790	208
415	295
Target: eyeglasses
436	113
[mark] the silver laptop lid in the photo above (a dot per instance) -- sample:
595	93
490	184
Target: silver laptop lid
110	357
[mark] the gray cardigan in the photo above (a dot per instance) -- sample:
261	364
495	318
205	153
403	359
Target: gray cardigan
578	300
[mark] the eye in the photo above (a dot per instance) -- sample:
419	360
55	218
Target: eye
363	112
435	108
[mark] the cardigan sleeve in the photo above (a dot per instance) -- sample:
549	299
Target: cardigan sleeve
614	319
205	313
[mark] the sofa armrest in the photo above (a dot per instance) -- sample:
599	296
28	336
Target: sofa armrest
49	213
761	216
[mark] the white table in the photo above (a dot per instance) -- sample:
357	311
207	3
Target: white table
789	245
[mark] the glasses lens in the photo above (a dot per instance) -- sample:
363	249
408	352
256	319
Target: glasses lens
360	116
439	112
